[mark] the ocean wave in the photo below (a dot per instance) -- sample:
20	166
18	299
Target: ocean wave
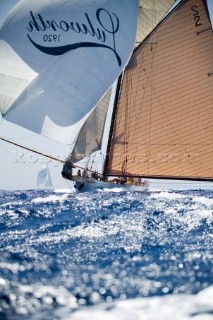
65	252
175	307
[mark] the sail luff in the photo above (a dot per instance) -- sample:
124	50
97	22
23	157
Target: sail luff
90	136
106	161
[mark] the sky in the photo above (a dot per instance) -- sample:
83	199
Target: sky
210	6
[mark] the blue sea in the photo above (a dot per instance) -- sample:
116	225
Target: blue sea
106	255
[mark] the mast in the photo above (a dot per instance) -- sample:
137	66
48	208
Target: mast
106	162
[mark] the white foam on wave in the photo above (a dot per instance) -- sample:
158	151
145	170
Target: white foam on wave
204	200
51	198
65	190
116	190
175	307
196	208
168	195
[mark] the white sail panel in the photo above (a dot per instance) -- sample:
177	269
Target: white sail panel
5	7
77	48
15	75
149	15
90	136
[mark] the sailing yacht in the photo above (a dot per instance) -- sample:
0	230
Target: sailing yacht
51	86
162	119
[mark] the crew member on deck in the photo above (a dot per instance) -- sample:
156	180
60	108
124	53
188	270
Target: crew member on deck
123	179
94	175
85	173
67	170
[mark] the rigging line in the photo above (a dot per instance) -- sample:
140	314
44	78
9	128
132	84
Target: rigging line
102	161
90	163
151	97
144	43
93	161
153	51
136	118
127	118
153	91
111	133
68	182
169	121
37	152
131	115
32	150
24	163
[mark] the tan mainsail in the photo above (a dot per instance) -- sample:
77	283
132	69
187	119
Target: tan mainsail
164	118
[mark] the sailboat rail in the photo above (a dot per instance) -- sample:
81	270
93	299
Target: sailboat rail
161	177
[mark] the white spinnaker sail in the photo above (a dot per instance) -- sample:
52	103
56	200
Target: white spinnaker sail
5	7
15	76
77	49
